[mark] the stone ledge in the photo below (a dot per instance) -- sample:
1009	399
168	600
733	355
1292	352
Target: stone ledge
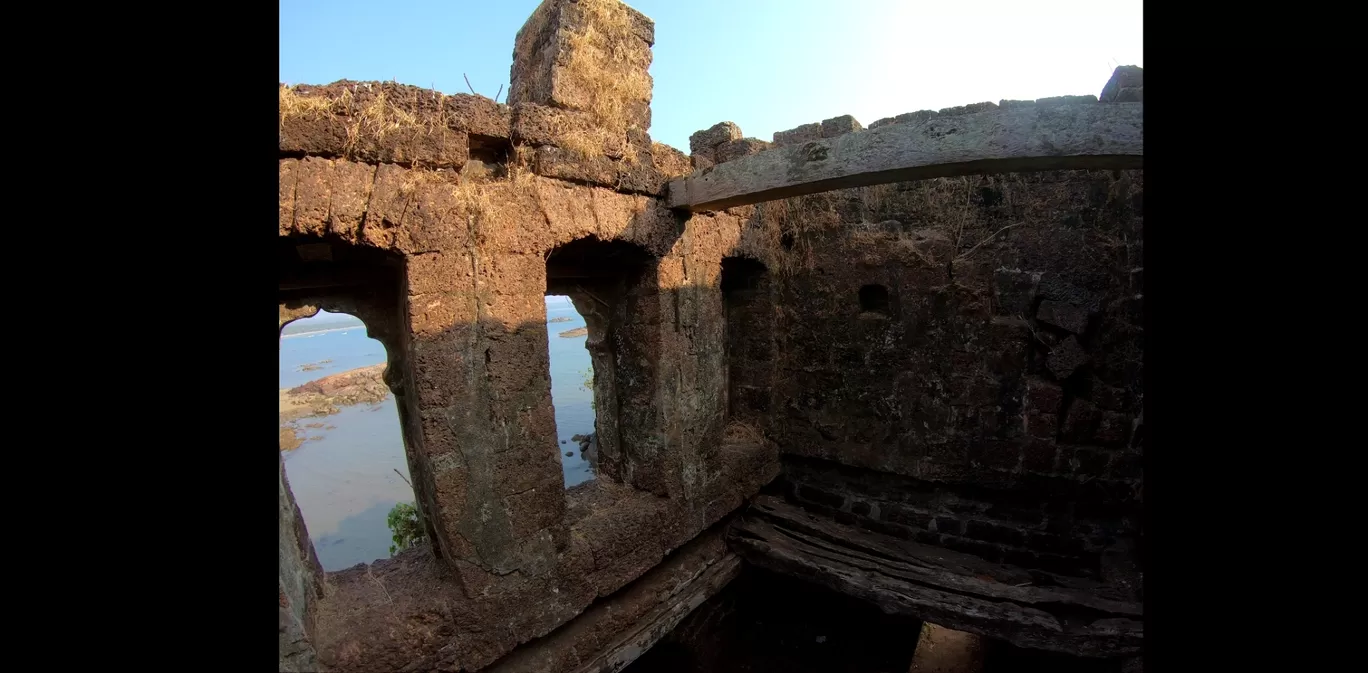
385	122
611	536
614	632
639	177
1063	137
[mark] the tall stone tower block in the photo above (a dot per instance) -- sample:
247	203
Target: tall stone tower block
590	57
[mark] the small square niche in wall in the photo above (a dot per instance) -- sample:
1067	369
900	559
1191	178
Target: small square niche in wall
874	299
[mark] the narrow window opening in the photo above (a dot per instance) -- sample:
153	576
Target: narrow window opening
874	299
592	290
342	443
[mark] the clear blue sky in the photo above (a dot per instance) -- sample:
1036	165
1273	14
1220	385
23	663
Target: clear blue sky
767	65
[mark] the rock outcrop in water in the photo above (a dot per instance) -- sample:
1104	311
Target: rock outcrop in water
327	396
588	447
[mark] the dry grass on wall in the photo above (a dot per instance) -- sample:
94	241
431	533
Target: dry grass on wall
740	432
801	219
670	162
376	117
482	197
603	65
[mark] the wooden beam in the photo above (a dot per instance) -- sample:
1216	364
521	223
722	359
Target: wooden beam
615	630
935	585
1030	138
639	637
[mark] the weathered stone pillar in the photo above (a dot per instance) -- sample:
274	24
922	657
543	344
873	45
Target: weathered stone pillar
692	368
942	650
478	333
640	349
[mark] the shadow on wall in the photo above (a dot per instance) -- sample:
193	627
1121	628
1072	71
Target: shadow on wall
747	294
588	541
1004	359
475	378
984	343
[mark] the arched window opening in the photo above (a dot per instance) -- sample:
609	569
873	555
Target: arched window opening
591	288
345	415
342	443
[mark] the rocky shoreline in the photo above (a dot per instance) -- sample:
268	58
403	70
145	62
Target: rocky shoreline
324	397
